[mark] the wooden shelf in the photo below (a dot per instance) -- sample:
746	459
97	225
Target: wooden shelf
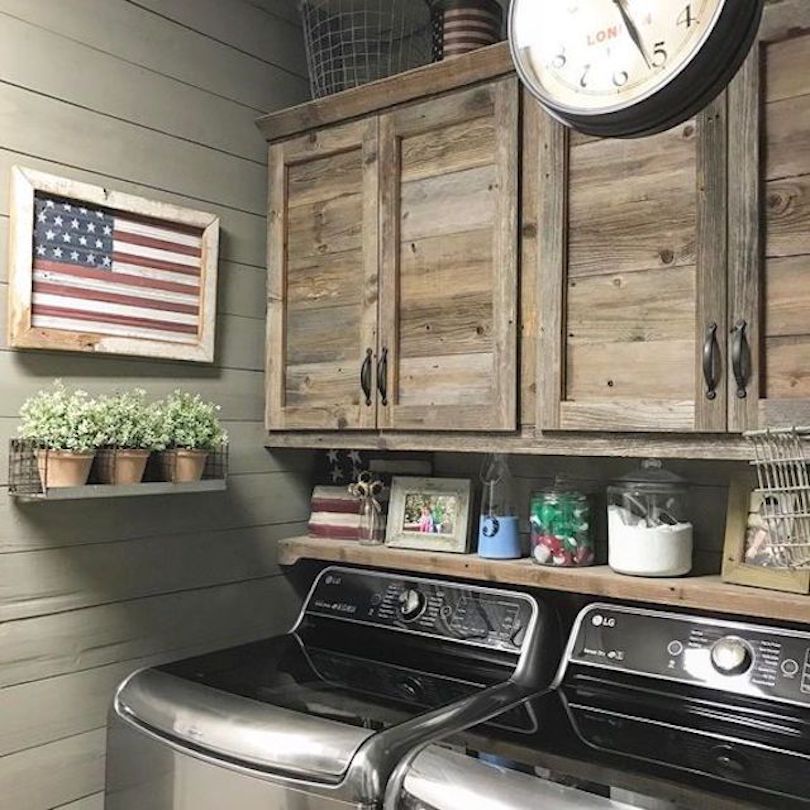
699	592
125	491
526	442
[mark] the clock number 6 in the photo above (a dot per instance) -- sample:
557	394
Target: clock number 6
559	61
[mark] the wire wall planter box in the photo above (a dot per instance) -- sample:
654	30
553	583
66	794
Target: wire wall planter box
28	475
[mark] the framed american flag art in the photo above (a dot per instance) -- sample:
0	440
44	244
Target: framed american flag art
94	270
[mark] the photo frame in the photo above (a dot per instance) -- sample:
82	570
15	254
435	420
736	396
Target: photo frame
100	271
429	514
745	552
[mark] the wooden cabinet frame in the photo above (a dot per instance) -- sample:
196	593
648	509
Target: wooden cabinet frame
421	119
699	414
357	415
747	220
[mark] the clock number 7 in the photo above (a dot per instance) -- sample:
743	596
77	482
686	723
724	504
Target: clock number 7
685	17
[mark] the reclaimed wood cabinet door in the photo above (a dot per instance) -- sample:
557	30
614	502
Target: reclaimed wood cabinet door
448	272
632	279
769	226
322	280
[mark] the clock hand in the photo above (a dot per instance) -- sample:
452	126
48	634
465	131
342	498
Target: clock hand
632	29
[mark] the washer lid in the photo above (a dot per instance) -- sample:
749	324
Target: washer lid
237	729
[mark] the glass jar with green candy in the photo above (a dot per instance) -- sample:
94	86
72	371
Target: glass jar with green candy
561	528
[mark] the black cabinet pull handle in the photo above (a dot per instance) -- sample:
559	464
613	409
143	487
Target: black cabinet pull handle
382	376
741	358
711	361
365	376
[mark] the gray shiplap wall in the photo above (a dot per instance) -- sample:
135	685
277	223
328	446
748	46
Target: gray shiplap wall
155	97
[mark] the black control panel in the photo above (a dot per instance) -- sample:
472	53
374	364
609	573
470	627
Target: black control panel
481	616
736	658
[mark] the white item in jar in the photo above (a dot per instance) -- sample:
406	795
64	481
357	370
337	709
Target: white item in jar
642	551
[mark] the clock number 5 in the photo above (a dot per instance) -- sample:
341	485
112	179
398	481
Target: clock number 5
660	55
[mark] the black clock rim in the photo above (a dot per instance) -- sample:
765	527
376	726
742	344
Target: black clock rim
706	77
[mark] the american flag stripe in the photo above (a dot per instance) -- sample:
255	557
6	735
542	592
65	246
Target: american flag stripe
108	328
139	260
118	274
103	309
152	281
122	320
175	232
160	244
94	294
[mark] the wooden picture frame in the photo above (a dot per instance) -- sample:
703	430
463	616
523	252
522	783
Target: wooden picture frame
100	271
739	526
444	524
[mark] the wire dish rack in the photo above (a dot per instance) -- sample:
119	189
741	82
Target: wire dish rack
781	459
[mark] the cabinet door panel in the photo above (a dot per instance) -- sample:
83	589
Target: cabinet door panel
449	261
769	220
322	261
628	291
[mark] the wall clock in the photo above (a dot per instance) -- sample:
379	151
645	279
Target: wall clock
627	68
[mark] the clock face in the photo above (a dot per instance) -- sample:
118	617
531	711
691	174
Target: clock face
596	56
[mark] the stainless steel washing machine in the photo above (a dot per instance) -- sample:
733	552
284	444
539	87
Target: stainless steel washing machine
319	718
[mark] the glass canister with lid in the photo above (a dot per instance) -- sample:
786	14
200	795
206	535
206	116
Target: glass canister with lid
649	527
561	528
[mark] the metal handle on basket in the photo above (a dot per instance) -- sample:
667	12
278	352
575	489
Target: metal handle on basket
741	358
382	376
365	376
711	361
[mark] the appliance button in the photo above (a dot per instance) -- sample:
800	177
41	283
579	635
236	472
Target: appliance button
729	762
790	667
411	604
411	688
731	656
376	599
675	648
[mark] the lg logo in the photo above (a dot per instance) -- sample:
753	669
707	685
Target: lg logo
598	620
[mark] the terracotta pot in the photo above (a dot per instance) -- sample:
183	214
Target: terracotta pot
62	468
183	466
121	466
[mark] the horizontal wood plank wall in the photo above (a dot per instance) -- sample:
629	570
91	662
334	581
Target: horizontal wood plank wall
708	482
158	98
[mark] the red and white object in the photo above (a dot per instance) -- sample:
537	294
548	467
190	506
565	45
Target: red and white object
337	515
461	26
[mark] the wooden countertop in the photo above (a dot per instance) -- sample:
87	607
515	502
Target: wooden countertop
698	592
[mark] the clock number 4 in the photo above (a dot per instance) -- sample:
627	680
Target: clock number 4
686	18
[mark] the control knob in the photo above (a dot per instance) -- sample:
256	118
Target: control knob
731	656
411	604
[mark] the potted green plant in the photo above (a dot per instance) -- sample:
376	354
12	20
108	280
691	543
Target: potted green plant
192	430
62	426
131	428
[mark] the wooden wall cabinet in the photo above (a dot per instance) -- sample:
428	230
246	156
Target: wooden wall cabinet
632	279
393	269
769	226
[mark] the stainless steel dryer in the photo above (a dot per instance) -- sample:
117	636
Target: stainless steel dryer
318	718
651	709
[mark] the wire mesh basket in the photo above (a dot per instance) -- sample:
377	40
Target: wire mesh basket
352	42
781	458
29	469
